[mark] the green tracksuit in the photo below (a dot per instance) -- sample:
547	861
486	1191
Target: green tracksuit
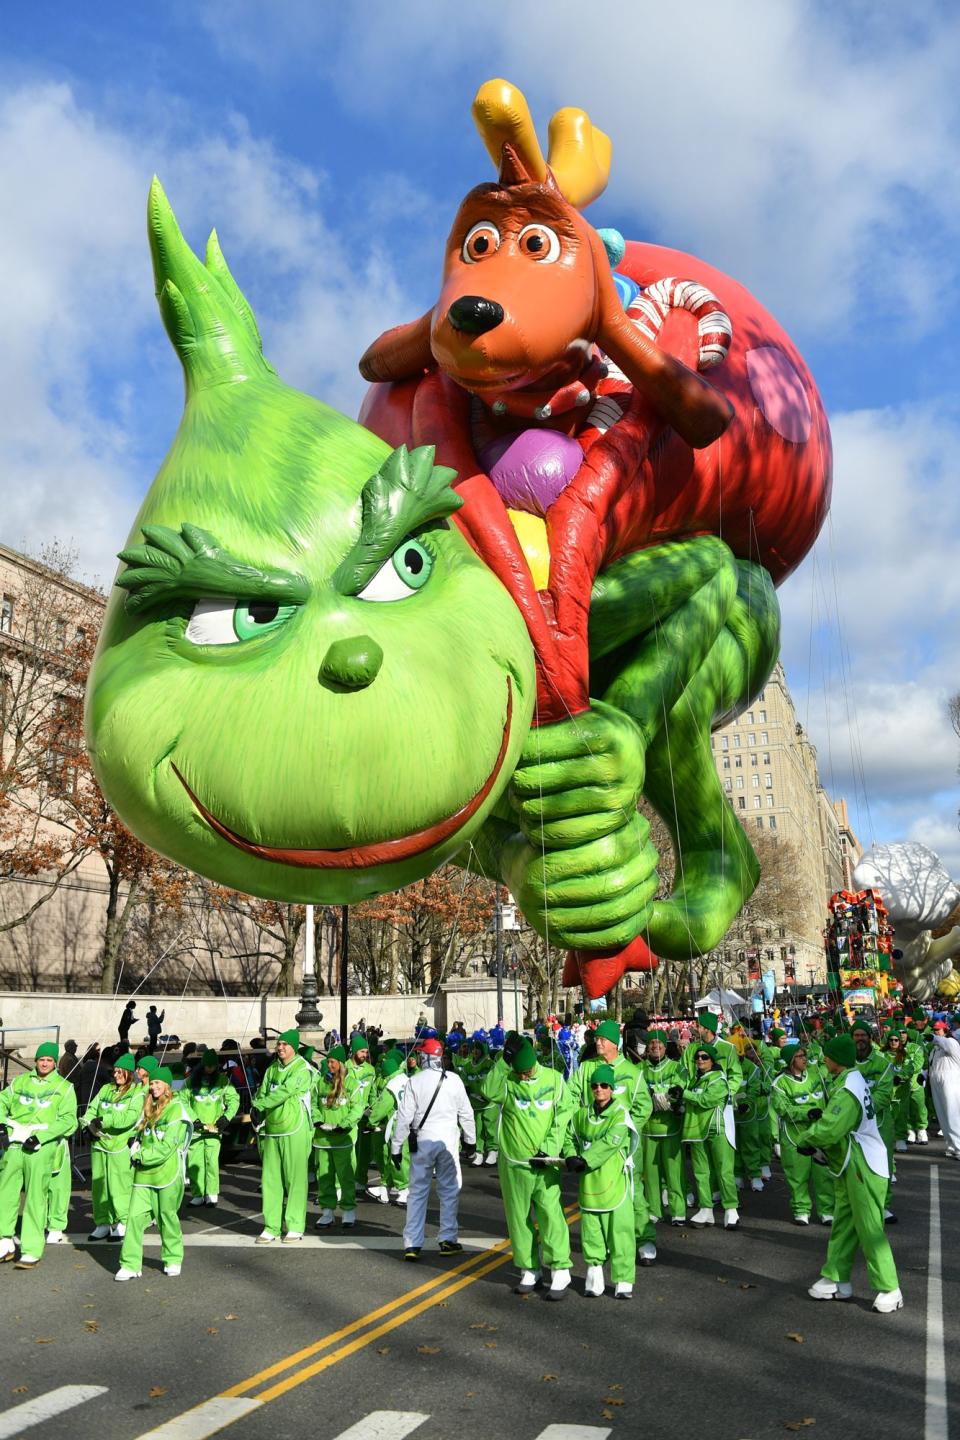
793	1097
607	1140
111	1174
878	1073
860	1192
730	1064
383	1113
335	1121
473	1074
158	1185
751	1117
212	1099
629	1090
363	1078
285	1140
662	1158
920	1043
46	1107
711	1153
534	1115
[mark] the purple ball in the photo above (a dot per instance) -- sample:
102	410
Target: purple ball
532	468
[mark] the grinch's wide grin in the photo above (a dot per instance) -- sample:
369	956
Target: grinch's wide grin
378	852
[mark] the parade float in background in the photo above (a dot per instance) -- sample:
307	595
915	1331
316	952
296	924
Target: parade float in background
859	946
922	901
330	664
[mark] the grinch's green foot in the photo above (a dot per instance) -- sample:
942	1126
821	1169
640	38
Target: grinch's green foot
716	885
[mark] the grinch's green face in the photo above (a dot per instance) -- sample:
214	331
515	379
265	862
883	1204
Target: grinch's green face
312	689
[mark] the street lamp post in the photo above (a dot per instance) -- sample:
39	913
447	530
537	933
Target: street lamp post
308	1017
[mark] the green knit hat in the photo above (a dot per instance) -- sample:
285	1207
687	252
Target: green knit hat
863	1025
525	1057
776	1033
841	1050
709	1021
710	1050
209	1058
164	1073
125	1062
391	1064
337	1053
660	1035
358	1043
602	1075
150	1063
919	1013
49	1050
608	1030
790	1049
291	1038
307	1051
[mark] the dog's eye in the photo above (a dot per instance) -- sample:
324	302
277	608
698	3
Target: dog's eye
482	239
540	243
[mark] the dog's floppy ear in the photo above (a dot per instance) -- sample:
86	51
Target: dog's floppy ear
400	353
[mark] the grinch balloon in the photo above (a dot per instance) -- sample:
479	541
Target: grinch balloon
331	664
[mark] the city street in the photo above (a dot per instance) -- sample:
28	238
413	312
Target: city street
341	1340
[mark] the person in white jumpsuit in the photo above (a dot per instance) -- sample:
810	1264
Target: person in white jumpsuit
437	1151
944	1071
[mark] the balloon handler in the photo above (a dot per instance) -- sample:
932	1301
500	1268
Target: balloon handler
157	1152
798	1097
214	1102
337	1105
848	1140
281	1116
708	1130
38	1112
599	1147
383	1112
662	1156
111	1119
432	1114
535	1106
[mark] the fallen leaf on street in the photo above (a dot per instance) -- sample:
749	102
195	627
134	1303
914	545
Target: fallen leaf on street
793	1335
616	1387
383	1350
799	1424
156	1391
212	1330
482	1325
470	1394
548	1377
747	1286
44	1340
428	1349
612	1400
92	1325
231	1317
606	1414
19	1390
722	1281
489	1344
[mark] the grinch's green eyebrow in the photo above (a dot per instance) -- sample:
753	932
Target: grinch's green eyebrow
406	493
192	565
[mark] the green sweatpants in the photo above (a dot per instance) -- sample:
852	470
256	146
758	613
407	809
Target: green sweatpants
919	1115
534	1193
901	1111
887	1127
285	1161
203	1164
486	1121
363	1151
858	1224
712	1160
61	1187
111	1185
396	1177
335	1173
162	1206
609	1235
800	1172
31	1174
644	1229
663	1170
751	1155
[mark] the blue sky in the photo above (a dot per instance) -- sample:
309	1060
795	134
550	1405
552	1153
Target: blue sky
811	150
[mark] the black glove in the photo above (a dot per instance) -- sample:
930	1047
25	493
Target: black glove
96	1128
575	1164
396	1156
256	1116
743	1108
135	1161
132	1140
806	1150
675	1092
223	1123
31	1145
815	1113
538	1163
921	1077
898	1079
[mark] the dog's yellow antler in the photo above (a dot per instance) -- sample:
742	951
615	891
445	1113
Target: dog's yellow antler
502	115
579	154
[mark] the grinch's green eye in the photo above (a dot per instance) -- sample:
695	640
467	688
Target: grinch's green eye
225	622
407	571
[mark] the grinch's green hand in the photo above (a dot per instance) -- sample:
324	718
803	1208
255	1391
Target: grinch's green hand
595	896
580	779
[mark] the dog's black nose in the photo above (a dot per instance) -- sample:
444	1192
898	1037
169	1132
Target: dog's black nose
474	315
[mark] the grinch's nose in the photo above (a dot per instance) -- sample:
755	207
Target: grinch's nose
351	664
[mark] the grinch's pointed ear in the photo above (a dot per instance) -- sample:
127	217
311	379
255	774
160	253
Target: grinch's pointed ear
206	315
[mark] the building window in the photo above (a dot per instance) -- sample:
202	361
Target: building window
757	802
766	759
756	780
6	615
764	738
759	822
713	742
739	782
726	762
773	822
741	803
751	738
726	785
724	742
753	759
738	763
770	802
768	781
736	742
763	717
762	696
749	717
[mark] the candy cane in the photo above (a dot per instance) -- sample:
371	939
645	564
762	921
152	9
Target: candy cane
714	330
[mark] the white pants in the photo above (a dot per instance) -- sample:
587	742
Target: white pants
432	1158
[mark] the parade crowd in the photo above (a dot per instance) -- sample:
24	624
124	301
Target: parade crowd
653	1121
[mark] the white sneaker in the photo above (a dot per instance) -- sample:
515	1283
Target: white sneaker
801	1219
401	1197
292	1236
824	1289
776	1151
99	1232
117	1231
826	1219
529	1280
348	1219
731	1219
379	1193
196	1200
765	1172
648	1253
477	1159
911	1137
889	1218
594	1285
559	1284
326	1218
211	1199
756	1184
922	1137
27	1262
8	1248
623	1291
172	1270
900	1146
888	1301
702	1217
490	1157
124	1274
56	1237
265	1238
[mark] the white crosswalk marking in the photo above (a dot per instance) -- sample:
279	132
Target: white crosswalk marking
44	1407
384	1425
574	1432
205	1419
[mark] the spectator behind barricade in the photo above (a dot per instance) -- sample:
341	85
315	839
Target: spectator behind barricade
69	1066
90	1075
127	1019
154	1026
